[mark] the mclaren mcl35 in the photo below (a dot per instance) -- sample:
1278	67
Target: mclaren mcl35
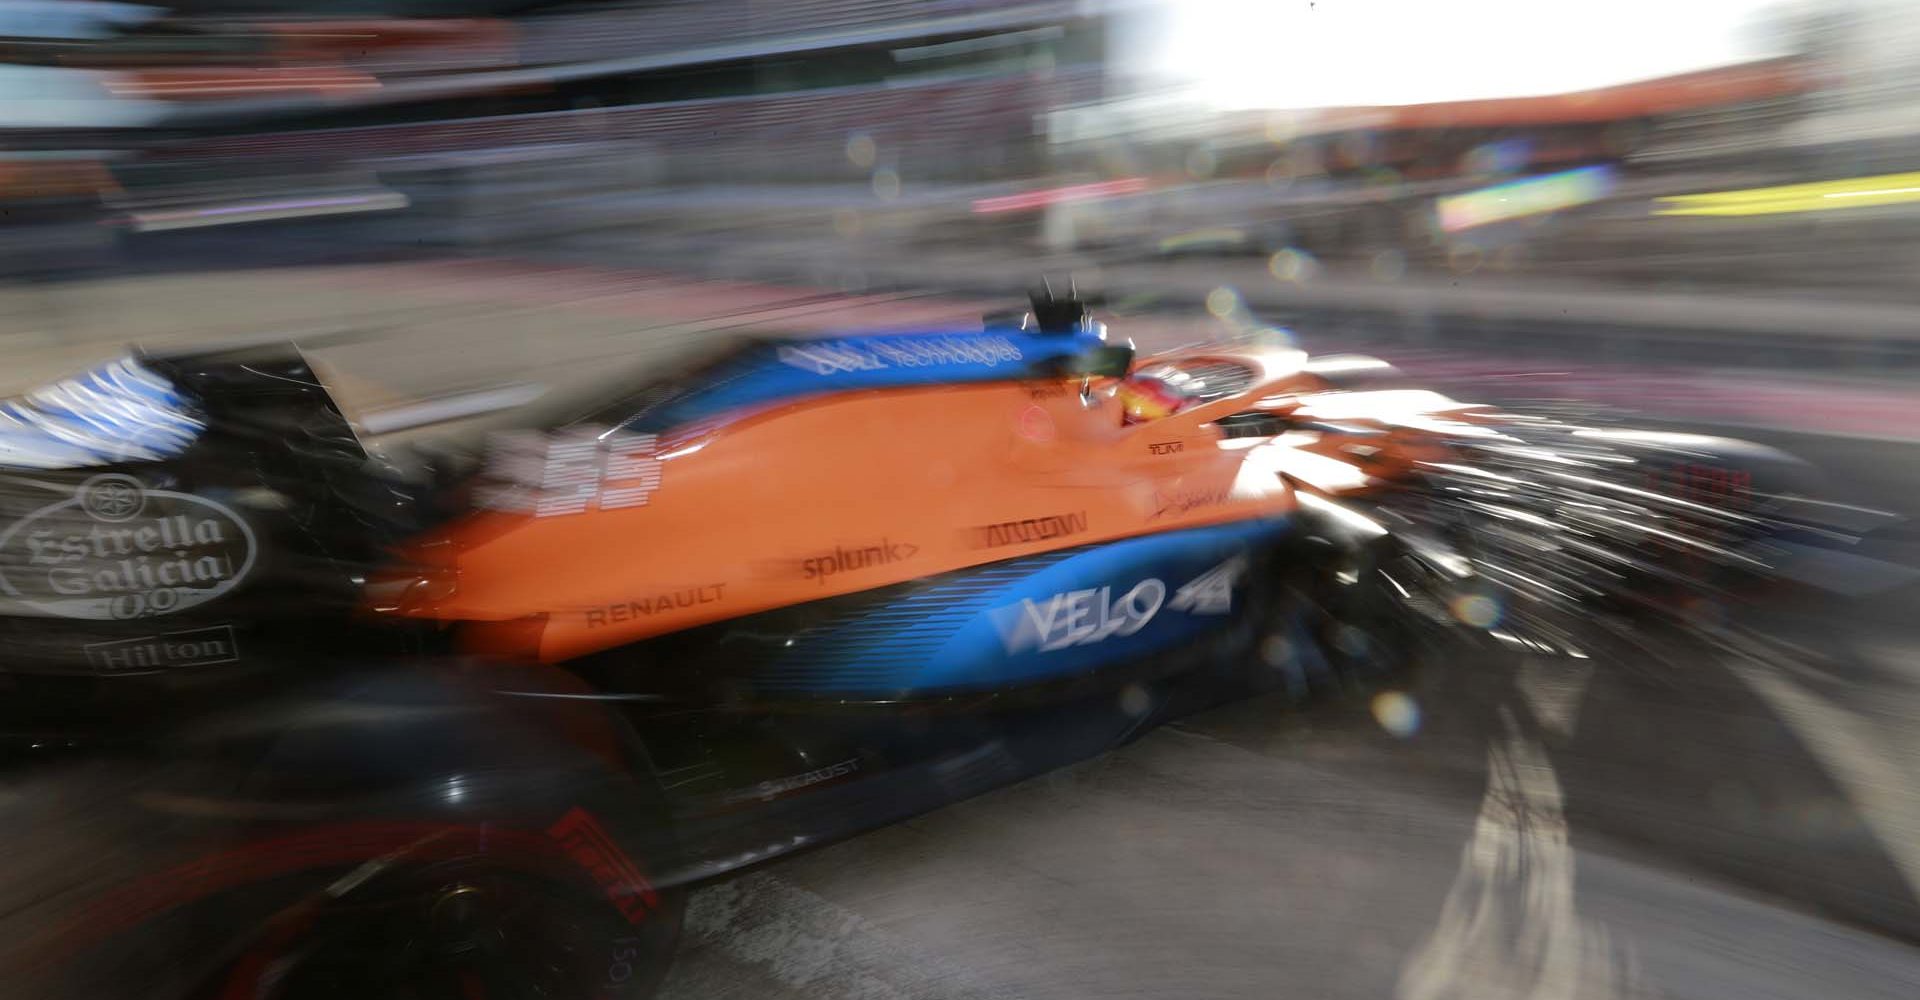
313	715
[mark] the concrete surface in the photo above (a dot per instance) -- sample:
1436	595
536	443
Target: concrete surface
1683	827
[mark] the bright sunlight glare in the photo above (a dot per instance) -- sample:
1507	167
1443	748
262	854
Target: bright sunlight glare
1236	54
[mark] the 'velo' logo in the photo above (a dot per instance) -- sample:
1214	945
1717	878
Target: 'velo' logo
1084	617
1081	617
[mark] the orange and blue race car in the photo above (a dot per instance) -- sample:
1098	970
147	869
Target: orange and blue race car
468	720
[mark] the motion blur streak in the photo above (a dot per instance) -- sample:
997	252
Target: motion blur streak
158	221
1859	192
1519	199
1054	196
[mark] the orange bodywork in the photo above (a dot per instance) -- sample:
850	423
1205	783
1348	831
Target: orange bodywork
223	83
55	177
830	495
329	58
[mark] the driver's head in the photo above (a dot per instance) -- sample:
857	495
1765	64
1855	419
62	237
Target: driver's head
1150	397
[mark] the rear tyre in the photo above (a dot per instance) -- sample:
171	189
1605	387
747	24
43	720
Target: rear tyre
458	930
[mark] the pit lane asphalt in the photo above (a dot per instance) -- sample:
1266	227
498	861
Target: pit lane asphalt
1728	816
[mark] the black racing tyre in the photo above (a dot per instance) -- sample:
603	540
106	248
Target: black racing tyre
458	930
1338	619
1359	612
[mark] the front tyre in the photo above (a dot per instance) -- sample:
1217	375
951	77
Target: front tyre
1358	611
1335	616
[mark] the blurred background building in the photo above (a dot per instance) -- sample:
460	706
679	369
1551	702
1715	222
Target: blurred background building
1124	129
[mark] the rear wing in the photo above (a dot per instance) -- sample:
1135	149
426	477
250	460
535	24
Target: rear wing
262	393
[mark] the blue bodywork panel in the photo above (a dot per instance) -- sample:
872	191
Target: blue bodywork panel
772	372
1029	620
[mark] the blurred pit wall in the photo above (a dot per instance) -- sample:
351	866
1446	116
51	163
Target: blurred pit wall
908	171
499	199
897	154
1048	97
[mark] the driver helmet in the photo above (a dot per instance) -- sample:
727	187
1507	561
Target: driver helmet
1152	395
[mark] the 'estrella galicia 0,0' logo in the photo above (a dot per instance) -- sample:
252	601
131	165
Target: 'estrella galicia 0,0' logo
118	550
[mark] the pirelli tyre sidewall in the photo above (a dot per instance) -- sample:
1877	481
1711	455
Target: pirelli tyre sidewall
1362	620
486	923
390	907
400	834
1343	625
534	876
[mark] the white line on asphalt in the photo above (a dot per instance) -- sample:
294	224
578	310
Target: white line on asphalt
1846	745
1509	929
1553	689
